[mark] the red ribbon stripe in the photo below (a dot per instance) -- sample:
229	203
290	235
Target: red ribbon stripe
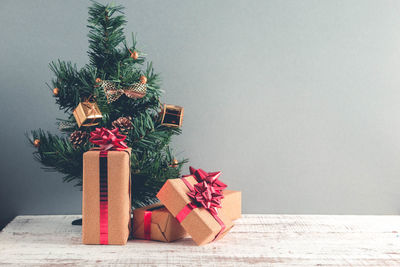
103	198
147	225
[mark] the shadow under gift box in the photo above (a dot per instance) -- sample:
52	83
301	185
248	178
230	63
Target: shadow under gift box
199	223
119	202
163	226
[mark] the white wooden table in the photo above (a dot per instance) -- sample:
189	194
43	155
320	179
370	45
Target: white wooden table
260	240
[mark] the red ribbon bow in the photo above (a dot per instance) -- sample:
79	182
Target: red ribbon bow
207	192
207	196
108	139
209	177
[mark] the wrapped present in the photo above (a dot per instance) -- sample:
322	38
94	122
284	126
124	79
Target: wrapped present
231	204
155	222
106	202
194	201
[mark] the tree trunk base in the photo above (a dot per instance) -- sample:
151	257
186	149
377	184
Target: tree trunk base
77	222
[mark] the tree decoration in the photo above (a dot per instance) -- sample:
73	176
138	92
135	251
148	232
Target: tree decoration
78	138
110	73
36	142
175	163
56	91
134	55
135	90
66	126
172	116
143	79
124	124
87	114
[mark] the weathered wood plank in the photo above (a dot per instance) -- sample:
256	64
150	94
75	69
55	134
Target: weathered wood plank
263	240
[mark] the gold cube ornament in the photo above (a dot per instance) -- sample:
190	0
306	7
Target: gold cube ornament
172	116
87	114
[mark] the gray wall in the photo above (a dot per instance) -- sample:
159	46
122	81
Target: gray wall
297	102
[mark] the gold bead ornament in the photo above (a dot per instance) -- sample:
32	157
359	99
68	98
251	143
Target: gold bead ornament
135	55
175	163
36	142
143	79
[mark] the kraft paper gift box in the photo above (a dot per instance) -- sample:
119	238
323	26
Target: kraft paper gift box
155	222
106	178
200	224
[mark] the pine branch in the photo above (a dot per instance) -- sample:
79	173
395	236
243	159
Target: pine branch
58	155
74	85
105	35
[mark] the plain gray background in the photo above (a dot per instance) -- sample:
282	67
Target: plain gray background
297	102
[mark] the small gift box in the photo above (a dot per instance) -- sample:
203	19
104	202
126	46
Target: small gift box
155	222
195	202
87	114
106	202
172	116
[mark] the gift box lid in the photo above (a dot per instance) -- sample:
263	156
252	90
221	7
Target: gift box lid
164	226
199	223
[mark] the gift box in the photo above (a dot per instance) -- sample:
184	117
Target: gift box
231	204
155	222
87	114
106	200
172	116
203	224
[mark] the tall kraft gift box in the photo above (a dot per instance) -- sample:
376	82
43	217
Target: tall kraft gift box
106	200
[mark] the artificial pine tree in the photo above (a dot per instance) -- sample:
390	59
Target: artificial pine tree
112	62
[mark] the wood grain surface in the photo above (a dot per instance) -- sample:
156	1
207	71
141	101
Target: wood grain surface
257	240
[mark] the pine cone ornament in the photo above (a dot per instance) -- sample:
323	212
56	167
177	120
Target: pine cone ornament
124	124
78	138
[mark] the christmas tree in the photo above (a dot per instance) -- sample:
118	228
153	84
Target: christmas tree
127	95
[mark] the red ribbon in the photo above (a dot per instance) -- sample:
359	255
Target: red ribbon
147	224
103	197
147	221
207	193
108	139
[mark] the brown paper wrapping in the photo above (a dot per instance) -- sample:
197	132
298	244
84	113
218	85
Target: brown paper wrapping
199	223
164	226
231	204
119	203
